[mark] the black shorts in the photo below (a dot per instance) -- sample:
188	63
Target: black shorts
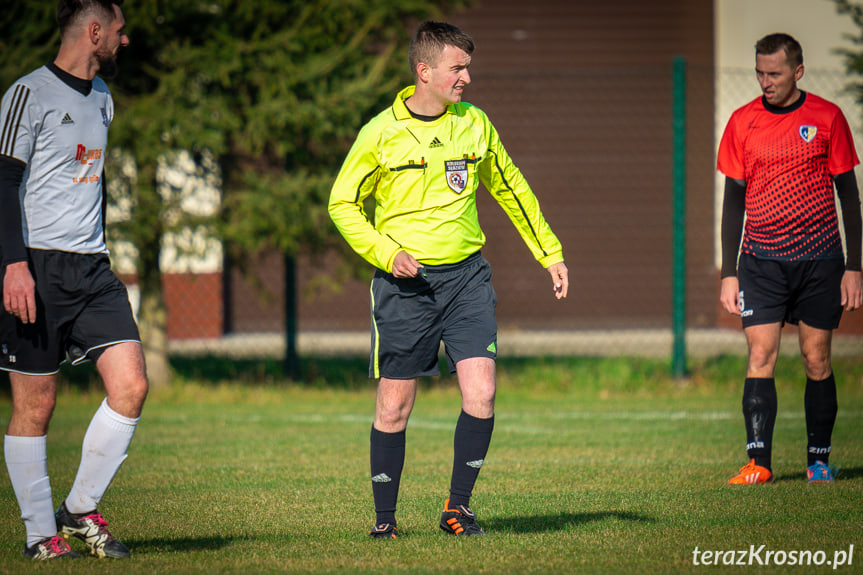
81	309
453	304
773	291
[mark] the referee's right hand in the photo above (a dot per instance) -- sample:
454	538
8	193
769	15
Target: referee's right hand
405	266
19	292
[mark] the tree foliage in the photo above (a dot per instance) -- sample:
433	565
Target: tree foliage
275	90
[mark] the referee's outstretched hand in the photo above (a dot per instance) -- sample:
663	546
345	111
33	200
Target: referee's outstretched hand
19	292
560	278
405	266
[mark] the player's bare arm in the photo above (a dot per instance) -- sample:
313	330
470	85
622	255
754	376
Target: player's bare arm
19	292
405	266
729	292
852	290
560	279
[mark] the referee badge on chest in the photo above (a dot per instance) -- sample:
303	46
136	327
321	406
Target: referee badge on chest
807	133
456	175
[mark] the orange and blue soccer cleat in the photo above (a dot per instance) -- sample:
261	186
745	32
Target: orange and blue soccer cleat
459	521
384	531
819	472
751	474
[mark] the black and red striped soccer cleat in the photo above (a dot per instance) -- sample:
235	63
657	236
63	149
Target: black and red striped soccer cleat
384	531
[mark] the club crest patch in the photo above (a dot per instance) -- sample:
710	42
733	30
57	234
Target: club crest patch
105	121
808	133
456	175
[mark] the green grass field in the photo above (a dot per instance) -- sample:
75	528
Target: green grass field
596	466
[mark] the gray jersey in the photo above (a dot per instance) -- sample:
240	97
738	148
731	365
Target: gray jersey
61	135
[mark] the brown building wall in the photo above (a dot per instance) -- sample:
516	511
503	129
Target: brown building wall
581	93
194	305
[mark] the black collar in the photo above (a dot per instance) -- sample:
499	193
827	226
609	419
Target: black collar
425	118
787	109
77	84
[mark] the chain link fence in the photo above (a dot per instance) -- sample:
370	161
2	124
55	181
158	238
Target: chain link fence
596	147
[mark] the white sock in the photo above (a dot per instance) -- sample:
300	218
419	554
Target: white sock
104	450
27	462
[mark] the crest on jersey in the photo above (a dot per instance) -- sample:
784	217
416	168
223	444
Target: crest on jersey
808	133
105	121
456	175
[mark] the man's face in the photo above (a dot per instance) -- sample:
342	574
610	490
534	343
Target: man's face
110	43
777	79
448	78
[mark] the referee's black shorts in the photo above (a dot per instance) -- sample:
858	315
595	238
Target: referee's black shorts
81	309
774	291
453	304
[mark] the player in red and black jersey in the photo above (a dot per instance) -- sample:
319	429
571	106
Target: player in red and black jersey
782	154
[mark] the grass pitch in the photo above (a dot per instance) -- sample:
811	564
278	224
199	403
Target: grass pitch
596	466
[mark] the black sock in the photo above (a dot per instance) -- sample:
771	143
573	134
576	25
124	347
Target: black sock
821	407
387	456
472	438
759	415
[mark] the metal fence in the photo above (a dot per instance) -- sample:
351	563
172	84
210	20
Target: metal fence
596	147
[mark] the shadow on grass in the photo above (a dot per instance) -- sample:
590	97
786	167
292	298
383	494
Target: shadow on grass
559	522
844	474
849	473
179	545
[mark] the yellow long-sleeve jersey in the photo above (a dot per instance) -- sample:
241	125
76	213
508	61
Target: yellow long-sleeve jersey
424	176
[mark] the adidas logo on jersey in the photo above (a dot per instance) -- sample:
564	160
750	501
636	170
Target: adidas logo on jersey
67	119
436	143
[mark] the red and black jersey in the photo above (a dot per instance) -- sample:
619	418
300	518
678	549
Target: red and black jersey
788	157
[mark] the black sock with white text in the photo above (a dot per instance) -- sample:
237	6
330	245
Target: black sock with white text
759	415
821	408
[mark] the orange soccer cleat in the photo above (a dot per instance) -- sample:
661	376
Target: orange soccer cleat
751	474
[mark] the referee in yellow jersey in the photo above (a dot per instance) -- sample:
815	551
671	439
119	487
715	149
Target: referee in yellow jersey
422	160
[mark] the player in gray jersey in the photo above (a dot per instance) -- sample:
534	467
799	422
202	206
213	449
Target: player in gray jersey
58	125
60	298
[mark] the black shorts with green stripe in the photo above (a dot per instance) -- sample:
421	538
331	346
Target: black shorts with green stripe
452	303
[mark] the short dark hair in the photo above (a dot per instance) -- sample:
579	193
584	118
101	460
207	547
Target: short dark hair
772	43
68	11
430	39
